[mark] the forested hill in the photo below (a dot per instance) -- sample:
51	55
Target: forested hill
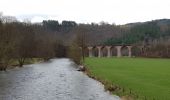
105	33
143	32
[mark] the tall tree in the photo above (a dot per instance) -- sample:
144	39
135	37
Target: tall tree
26	43
7	44
81	40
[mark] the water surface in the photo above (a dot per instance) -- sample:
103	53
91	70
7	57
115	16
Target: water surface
53	80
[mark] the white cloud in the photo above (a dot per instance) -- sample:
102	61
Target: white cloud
37	19
118	11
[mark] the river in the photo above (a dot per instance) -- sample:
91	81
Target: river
56	79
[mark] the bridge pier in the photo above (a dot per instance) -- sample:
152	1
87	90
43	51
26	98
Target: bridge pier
119	54
129	51
99	51
108	51
90	51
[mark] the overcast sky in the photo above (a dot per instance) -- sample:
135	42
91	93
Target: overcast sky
87	11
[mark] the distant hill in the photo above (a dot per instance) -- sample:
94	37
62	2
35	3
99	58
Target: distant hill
142	32
158	21
112	34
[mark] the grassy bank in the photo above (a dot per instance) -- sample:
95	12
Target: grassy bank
142	77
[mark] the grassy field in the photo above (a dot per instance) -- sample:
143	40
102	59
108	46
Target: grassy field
148	78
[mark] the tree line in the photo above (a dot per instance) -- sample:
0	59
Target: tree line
22	40
153	35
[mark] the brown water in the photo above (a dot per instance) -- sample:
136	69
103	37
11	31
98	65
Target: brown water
53	80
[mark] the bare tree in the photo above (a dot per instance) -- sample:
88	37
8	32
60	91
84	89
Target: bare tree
25	46
8	19
74	53
81	40
6	44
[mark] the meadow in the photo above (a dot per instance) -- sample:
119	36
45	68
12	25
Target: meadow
147	78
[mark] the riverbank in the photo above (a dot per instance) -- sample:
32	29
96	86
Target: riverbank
140	78
14	63
112	88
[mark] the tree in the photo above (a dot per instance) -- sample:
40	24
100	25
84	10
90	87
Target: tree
77	47
26	45
51	25
67	26
81	40
7	44
60	49
74	53
8	19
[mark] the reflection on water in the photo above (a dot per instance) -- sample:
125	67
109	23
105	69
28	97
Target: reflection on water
55	80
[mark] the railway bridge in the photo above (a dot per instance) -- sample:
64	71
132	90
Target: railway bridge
113	50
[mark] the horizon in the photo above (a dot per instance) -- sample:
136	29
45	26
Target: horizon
60	21
119	12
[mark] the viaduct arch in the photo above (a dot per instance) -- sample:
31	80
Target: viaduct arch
109	51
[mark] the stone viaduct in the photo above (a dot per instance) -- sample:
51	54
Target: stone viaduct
114	50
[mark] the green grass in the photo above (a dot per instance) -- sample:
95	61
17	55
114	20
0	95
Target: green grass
146	77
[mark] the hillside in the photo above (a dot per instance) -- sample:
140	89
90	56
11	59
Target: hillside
146	31
113	34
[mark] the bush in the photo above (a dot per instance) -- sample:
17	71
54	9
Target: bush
74	53
158	50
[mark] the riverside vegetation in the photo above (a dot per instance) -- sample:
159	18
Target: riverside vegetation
48	39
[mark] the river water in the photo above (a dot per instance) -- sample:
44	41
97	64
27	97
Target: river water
53	80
